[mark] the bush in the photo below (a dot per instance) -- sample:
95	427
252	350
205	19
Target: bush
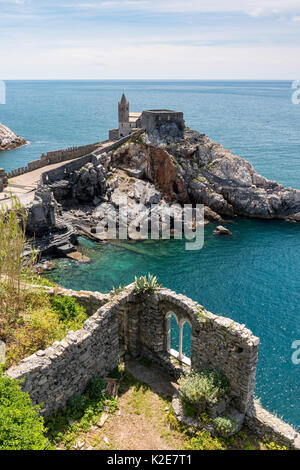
96	388
144	284
202	388
68	309
77	404
203	440
20	426
225	426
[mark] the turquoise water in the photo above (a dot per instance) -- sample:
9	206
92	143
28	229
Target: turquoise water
253	277
254	119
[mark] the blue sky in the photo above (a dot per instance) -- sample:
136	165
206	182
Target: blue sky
155	39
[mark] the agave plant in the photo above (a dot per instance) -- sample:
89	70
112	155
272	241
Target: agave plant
147	284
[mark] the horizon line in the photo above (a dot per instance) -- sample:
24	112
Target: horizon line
150	79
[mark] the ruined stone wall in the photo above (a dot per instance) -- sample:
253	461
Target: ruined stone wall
137	324
63	370
267	425
216	342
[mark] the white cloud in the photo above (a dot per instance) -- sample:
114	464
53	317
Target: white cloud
250	7
16	2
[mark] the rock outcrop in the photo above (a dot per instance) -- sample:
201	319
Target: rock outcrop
220	230
41	214
156	165
8	139
81	186
198	170
191	170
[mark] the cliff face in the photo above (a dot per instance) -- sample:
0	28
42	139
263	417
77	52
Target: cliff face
199	170
155	164
8	139
193	170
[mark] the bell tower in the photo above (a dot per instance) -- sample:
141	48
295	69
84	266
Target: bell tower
123	109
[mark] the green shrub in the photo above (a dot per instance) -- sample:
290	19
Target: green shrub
203	440
202	388
225	426
77	404
96	388
21	428
145	284
274	446
67	308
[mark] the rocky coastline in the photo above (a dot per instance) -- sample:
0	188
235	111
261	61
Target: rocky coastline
192	170
9	140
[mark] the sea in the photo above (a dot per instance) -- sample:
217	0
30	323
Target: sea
253	277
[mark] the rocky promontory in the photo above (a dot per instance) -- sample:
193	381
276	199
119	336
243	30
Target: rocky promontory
192	170
8	139
198	170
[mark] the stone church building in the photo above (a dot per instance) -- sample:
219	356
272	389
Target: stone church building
162	122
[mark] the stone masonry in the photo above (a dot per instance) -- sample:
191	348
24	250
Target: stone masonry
137	324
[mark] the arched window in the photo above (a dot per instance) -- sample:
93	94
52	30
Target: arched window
174	334
186	339
178	338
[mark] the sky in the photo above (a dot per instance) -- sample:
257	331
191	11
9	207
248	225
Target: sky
149	39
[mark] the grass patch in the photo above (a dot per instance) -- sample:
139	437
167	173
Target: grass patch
41	321
81	413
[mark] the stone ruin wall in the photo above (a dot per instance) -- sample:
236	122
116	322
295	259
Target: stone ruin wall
216	342
127	322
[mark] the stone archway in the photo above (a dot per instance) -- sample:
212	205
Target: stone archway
178	344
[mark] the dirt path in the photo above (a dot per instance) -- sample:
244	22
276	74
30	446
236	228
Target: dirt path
141	421
139	425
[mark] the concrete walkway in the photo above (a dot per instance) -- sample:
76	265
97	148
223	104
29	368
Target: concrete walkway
24	186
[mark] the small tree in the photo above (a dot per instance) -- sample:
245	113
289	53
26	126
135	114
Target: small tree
12	260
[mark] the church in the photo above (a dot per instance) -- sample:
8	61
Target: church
150	120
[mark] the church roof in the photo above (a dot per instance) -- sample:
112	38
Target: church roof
123	99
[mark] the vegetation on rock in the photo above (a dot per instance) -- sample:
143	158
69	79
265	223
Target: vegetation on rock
146	284
201	388
224	426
